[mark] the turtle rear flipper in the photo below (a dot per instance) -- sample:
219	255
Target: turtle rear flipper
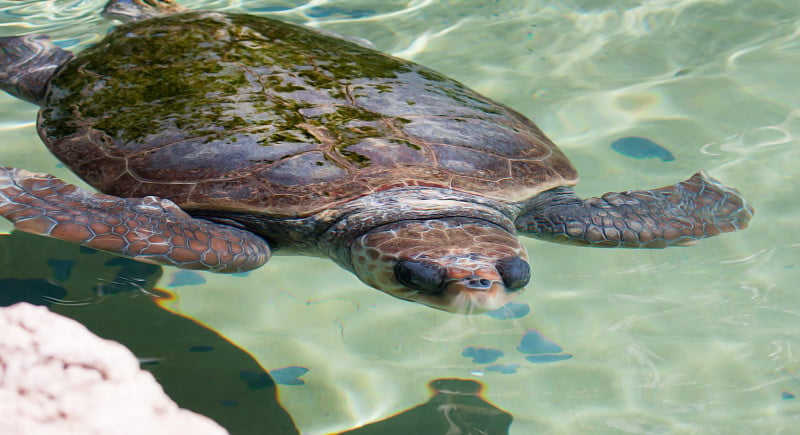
27	63
680	214
136	10
148	229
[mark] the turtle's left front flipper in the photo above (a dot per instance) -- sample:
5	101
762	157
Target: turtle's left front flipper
680	214
27	63
147	229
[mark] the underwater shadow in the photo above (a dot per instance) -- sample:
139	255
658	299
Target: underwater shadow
115	298
456	407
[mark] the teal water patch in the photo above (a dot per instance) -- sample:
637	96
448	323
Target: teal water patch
288	375
482	355
785	395
62	269
533	342
511	310
540	349
67	43
547	358
505	369
186	277
641	148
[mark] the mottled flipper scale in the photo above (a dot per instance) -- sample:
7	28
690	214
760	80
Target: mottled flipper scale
680	214
148	229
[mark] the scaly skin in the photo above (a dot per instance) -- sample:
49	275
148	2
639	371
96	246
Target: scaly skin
677	215
149	229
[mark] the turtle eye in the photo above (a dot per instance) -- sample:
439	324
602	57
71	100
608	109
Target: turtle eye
419	275
515	272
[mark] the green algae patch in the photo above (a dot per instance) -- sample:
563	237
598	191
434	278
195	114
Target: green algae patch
175	74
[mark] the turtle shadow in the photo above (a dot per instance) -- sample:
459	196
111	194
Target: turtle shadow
116	299
456	407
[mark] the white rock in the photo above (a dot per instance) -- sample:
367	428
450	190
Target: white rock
58	377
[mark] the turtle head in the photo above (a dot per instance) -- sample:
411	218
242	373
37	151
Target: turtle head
453	264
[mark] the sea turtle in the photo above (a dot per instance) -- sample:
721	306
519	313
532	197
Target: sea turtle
218	138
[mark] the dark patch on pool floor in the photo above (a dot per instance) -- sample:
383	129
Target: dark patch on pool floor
62	269
186	277
33	291
533	342
289	375
641	148
505	369
482	355
256	380
539	349
548	357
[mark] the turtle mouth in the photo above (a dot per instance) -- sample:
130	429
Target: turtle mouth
474	283
455	297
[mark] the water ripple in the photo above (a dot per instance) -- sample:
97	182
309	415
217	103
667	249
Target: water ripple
14	125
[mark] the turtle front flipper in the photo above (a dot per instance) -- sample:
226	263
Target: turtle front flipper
136	10
680	214
27	63
147	229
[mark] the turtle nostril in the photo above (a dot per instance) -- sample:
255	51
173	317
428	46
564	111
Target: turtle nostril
478	283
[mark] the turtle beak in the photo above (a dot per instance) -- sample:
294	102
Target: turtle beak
474	279
475	283
476	293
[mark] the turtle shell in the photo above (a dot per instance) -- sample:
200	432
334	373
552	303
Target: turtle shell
245	113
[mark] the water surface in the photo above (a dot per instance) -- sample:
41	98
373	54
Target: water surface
688	340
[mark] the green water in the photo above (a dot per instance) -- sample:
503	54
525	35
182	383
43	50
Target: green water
686	340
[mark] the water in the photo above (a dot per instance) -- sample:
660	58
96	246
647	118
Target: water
689	340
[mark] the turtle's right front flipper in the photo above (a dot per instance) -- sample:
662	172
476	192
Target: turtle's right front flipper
147	229
680	214
27	63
